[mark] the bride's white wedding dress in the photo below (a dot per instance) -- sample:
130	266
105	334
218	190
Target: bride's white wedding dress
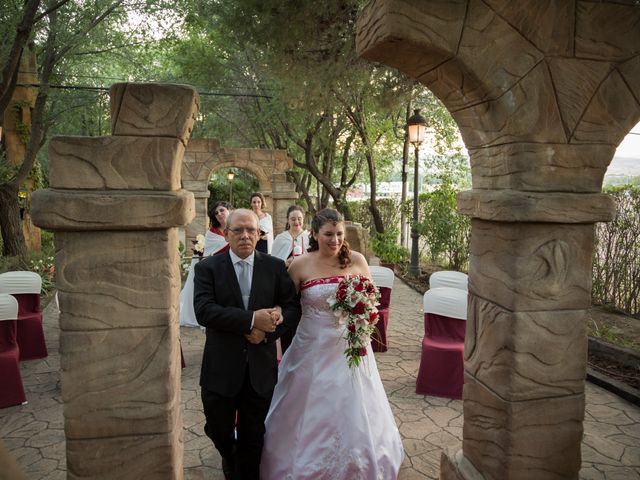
327	421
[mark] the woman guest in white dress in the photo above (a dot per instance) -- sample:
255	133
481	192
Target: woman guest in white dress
294	240
326	420
265	223
289	244
214	243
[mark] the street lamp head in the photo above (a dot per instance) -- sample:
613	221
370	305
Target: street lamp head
416	128
230	175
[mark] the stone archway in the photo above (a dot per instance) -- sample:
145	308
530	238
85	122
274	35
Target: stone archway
204	156
542	91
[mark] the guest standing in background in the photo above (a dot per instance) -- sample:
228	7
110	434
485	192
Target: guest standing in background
294	240
289	244
265	222
214	243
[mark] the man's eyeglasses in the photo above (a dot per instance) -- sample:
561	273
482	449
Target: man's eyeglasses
240	231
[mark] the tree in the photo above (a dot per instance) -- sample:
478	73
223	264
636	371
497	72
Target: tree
312	94
59	29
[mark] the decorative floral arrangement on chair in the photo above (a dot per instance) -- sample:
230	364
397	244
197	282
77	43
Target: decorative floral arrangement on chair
354	305
198	245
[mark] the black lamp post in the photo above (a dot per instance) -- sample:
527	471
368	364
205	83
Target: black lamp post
416	129
230	175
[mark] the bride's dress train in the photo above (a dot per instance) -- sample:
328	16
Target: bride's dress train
328	421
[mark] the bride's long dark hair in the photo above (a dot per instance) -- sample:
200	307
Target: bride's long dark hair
329	215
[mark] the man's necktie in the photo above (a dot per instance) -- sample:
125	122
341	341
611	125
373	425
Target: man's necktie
244	279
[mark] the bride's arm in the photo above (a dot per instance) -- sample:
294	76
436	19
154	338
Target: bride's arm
296	269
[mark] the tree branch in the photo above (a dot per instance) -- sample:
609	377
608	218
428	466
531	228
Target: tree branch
10	70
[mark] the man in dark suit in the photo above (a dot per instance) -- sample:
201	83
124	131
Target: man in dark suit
235	296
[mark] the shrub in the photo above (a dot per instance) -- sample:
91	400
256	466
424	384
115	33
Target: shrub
616	258
445	232
387	248
389	210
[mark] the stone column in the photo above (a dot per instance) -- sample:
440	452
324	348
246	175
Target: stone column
542	93
283	195
525	348
114	205
199	160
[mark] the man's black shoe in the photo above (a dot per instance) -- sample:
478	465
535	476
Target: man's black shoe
228	468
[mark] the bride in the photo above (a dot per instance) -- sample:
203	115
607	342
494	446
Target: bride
326	420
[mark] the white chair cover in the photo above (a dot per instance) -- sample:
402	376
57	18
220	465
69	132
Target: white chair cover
8	307
20	282
446	301
449	278
382	276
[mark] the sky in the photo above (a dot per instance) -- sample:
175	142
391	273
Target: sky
630	146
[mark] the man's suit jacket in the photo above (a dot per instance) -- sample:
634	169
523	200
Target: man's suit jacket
218	306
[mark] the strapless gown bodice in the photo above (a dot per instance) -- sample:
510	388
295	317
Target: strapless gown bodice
328	421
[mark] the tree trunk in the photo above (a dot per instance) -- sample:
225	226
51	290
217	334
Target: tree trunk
373	203
10	222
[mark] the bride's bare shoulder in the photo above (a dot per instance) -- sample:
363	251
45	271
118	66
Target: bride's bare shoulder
359	264
357	259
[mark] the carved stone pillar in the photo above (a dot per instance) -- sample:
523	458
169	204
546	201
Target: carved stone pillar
200	159
542	93
283	195
114	205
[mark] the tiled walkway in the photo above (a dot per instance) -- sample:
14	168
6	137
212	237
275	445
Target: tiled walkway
34	432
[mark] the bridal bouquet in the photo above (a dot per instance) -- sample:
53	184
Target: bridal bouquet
354	305
198	245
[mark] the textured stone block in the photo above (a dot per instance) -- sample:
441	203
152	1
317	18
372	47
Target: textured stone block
153	110
487	35
611	113
515	206
607	30
526	355
454	466
136	457
203	145
383	23
121	382
548	24
527	440
114	279
576	82
630	71
111	210
531	267
106	163
527	113
541	167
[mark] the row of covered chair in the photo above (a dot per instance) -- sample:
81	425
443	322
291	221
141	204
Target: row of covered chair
383	278
21	331
441	371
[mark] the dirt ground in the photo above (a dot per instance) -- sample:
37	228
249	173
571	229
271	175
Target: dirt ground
615	328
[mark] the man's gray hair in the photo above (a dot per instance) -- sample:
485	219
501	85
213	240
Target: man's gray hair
233	213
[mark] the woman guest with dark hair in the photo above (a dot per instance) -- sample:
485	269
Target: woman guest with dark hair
326	419
265	223
214	243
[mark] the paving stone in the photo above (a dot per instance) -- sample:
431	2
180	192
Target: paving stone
33	432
